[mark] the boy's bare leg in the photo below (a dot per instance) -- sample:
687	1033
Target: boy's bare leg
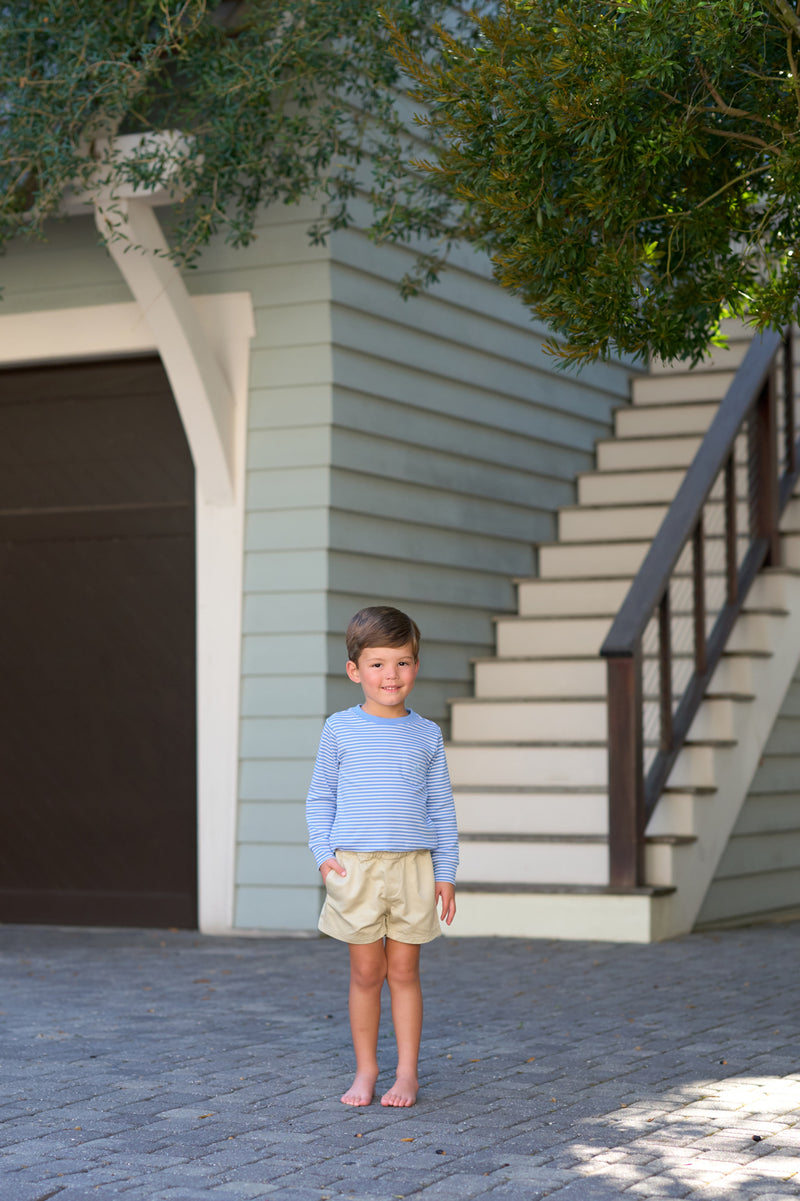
367	974
402	969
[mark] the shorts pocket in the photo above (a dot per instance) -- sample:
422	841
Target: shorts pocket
335	877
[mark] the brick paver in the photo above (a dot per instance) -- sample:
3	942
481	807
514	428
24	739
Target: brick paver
163	1066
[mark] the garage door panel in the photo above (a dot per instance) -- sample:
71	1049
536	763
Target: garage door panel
97	609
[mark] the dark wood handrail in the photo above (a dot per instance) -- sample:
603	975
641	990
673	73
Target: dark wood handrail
678	526
749	404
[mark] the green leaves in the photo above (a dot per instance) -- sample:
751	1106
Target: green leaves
633	168
276	102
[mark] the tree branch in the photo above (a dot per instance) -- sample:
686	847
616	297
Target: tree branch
793	68
749	139
738	179
788	18
726	109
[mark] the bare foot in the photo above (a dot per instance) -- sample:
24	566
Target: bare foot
362	1090
402	1093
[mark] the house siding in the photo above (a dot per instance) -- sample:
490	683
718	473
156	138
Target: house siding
455	439
405	452
759	872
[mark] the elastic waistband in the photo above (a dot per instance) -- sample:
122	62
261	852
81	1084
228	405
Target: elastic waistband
366	855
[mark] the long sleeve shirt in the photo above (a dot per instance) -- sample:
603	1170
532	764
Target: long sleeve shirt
382	784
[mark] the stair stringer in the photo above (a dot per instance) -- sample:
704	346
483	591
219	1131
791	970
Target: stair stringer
689	867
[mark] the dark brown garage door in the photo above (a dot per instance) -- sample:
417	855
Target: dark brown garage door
97	635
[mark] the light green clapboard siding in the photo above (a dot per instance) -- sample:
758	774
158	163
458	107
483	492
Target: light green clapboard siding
69	269
759	872
403	452
454	442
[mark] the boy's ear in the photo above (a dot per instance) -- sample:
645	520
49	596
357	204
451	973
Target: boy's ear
352	671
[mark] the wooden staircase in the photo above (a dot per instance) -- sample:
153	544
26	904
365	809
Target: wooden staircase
528	756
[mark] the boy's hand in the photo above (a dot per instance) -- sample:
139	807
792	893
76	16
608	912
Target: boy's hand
332	865
447	893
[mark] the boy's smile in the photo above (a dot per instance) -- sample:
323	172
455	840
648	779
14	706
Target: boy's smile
386	675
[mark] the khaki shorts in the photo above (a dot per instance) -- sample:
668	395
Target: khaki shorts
385	893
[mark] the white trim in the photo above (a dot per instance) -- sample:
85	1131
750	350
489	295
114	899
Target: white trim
226	322
201	392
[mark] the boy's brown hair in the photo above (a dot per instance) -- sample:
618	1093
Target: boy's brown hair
380	625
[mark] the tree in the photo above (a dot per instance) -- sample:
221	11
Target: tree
274	101
632	167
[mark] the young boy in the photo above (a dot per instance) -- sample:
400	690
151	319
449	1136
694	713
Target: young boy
382	829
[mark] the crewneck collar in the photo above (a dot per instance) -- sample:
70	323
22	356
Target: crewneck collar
383	720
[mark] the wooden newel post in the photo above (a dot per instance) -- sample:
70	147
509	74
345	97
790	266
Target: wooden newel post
625	771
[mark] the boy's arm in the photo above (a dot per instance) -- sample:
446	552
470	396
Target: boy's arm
442	812
321	800
446	892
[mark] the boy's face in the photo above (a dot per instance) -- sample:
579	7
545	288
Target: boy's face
386	675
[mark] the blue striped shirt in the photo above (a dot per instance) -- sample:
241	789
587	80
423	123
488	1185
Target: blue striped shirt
381	784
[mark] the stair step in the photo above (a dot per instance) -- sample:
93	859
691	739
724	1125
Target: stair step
629	487
562	911
644	486
626	522
697	386
568	861
615	560
594	597
530	720
512	764
618	454
663	420
544	839
675	813
551	637
559	720
563	637
609	523
521	811
595	890
563	678
659	857
719	358
540	678
588	560
694	767
603	597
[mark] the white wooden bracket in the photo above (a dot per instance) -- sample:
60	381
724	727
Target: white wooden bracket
204	398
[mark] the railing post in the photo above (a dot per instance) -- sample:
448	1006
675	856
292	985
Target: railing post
764	446
699	595
731	564
665	672
625	771
789	423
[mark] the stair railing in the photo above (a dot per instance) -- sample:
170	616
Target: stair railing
675	621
